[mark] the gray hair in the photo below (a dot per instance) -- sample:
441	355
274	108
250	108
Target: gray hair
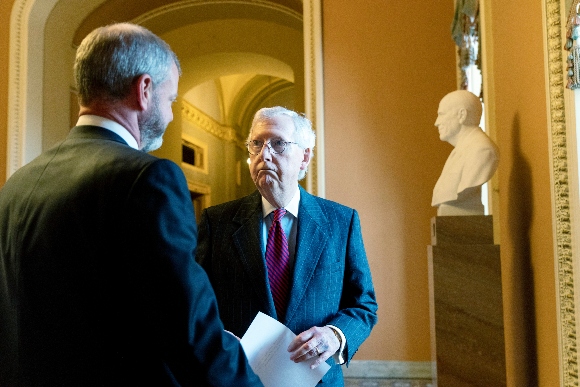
304	136
111	58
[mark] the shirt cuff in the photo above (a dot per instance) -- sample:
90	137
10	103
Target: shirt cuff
339	355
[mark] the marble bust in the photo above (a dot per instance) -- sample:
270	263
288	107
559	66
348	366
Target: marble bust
473	160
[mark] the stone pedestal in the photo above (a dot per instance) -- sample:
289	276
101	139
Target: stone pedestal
467	335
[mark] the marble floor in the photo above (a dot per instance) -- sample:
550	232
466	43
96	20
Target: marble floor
368	382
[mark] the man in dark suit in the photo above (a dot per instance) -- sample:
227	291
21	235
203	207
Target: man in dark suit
315	278
98	282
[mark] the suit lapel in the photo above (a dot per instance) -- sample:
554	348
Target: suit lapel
248	244
310	243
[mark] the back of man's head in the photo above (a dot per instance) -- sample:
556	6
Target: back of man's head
111	58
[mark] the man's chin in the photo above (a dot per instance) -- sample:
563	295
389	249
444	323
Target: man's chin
152	145
265	181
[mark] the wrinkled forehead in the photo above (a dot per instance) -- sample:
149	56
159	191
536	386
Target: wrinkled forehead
279	126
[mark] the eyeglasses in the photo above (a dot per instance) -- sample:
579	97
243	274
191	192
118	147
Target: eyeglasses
276	146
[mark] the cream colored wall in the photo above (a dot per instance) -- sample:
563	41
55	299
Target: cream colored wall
385	71
525	202
386	66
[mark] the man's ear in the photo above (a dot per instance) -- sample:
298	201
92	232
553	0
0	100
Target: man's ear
306	159
462	115
144	86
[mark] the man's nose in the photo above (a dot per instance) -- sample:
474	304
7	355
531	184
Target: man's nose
266	152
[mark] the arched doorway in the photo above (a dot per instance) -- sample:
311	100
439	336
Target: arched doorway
41	59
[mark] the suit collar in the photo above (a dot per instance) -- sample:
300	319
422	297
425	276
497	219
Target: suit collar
95	133
247	210
309	206
248	244
113	126
310	243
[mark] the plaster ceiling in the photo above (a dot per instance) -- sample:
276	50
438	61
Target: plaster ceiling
218	40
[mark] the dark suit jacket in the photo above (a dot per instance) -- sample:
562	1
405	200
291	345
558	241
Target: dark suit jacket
331	280
98	282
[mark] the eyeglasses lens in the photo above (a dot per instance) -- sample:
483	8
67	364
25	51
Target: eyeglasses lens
255	146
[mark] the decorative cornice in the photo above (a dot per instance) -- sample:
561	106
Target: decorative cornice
560	186
208	124
189	3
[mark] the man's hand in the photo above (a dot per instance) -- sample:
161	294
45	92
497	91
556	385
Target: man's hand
317	342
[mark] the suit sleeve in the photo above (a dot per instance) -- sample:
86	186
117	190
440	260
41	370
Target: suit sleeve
179	302
357	314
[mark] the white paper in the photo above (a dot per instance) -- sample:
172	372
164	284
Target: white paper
266	345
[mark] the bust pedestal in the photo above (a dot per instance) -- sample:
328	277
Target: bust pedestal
466	306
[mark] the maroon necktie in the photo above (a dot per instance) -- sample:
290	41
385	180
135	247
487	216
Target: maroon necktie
277	260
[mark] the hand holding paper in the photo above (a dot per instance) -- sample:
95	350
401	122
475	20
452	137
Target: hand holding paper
318	342
266	345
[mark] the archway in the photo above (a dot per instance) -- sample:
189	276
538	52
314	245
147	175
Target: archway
33	67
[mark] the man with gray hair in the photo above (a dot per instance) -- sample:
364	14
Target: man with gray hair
288	254
98	281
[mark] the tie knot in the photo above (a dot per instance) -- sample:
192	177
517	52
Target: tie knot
279	214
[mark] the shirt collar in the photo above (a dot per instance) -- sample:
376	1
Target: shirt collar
92	120
292	206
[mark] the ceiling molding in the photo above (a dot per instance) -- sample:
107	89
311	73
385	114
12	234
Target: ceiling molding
202	121
180	5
